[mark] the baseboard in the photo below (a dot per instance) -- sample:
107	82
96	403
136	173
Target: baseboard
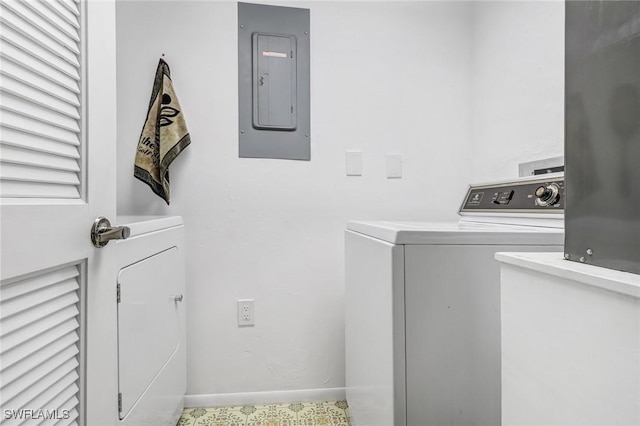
274	397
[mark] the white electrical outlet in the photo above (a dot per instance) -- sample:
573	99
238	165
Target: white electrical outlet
246	313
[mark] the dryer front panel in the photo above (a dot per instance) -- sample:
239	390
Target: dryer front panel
148	322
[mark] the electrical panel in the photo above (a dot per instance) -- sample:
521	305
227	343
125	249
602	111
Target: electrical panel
273	82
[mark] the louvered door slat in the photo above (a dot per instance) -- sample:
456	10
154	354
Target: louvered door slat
37	395
47	387
73	419
11	189
37	112
25	157
53	33
28	125
37	343
36	358
44	296
19	181
29	380
56	21
11	120
28	285
37	97
13	172
62	12
71	5
12	137
66	397
39	359
18	39
65	318
43	310
22	26
19	56
61	420
73	415
37	81
59	391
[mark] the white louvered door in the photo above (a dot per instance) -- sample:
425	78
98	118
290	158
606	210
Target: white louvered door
57	174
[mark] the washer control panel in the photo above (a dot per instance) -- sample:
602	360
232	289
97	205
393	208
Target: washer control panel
544	195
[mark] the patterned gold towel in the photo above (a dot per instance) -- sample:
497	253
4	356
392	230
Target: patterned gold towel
164	134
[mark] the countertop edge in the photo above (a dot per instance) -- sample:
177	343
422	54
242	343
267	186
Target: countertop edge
553	264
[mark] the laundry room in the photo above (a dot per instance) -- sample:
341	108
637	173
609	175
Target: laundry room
399	107
461	91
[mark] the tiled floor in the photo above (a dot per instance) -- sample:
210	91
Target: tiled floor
330	413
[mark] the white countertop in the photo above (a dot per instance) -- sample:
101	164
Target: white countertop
555	265
144	224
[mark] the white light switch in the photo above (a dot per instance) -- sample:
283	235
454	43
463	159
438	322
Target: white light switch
394	166
354	163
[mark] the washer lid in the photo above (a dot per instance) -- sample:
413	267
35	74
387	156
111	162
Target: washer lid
453	233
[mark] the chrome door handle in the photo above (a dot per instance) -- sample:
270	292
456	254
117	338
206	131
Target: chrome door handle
176	297
102	232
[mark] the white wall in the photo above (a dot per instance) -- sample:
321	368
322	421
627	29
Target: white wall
464	92
518	85
386	77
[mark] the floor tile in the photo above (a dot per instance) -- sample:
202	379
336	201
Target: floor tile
328	413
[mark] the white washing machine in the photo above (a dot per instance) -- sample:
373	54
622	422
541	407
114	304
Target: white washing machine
423	305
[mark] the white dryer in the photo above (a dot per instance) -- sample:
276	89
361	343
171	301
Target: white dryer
423	305
151	327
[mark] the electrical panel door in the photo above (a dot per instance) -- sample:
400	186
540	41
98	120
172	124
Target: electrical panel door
274	82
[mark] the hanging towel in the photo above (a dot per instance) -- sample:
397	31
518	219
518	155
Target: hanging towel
164	134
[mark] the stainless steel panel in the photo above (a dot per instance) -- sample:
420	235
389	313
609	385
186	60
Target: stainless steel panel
602	148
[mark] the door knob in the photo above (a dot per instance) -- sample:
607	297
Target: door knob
102	232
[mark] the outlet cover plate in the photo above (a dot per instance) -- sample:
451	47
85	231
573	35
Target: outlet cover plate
246	312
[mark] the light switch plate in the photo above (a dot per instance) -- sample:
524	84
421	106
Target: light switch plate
394	166
354	163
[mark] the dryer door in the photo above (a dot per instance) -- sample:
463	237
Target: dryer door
148	323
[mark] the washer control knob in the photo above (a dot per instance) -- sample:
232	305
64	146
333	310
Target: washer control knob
547	195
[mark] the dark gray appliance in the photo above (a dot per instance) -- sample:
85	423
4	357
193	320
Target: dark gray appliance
602	133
